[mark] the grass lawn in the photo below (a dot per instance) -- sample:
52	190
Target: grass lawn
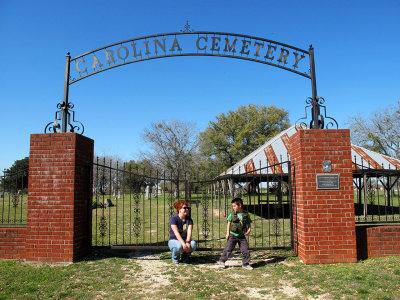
111	274
153	217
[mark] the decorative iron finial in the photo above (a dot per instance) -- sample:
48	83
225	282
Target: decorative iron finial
321	118
54	127
187	27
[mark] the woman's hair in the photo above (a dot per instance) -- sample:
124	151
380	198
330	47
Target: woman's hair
179	204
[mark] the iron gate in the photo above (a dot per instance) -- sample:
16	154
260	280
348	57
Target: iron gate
133	208
376	194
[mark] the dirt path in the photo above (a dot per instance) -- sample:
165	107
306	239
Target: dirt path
148	274
150	278
153	277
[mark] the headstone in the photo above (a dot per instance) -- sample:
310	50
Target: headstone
108	203
159	190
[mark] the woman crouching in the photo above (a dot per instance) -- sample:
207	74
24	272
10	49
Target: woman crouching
181	228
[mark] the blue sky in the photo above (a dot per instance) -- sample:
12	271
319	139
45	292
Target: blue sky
356	52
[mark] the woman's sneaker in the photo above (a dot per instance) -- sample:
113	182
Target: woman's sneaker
247	267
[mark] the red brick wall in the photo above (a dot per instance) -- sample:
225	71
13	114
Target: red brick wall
324	223
59	194
12	242
378	241
83	196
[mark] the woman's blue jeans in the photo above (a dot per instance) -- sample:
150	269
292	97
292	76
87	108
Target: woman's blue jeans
177	249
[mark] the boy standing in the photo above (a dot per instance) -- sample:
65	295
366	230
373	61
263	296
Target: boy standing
236	231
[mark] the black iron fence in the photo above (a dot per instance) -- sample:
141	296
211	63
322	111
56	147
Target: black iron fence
133	207
376	194
13	197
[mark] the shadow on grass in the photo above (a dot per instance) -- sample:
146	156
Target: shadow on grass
108	252
213	258
201	257
204	258
269	260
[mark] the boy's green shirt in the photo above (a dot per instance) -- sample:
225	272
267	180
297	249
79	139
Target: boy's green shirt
240	217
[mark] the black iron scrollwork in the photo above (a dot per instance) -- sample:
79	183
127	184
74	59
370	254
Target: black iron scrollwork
276	226
320	122
103	225
15	199
370	193
206	225
64	109
187	28
137	225
171	201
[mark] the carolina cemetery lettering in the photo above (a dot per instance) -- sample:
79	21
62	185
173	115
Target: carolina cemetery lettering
191	44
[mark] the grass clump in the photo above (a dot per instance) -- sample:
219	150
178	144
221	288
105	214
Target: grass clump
128	274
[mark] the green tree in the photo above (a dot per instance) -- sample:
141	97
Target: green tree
236	134
380	132
208	168
16	177
139	174
19	165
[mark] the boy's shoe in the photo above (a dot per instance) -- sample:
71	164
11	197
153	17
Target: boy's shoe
247	267
175	262
221	264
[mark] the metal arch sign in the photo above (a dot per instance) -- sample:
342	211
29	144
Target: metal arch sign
186	43
202	43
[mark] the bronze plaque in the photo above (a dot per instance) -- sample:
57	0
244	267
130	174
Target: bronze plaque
328	182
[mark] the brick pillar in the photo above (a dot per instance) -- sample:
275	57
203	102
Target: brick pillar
59	197
324	221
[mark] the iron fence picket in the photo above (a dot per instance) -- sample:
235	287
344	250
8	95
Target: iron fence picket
207	199
374	191
157	205
22	199
4	196
123	207
164	201
259	196
269	205
97	198
13	204
9	203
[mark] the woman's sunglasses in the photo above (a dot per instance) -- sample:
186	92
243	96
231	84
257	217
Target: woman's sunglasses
185	207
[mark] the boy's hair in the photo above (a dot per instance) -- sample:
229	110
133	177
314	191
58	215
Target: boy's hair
238	201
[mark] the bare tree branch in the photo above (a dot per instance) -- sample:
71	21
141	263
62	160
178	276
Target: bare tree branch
174	146
380	132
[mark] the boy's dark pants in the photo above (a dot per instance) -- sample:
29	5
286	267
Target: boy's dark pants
230	245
